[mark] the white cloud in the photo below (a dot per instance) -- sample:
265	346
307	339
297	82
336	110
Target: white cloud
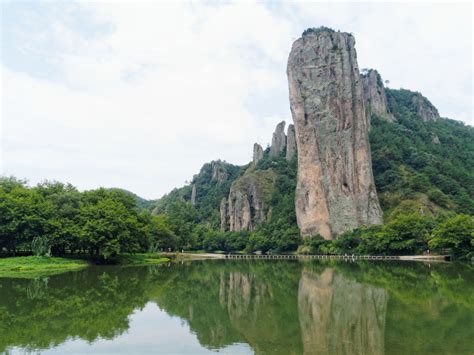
169	86
165	94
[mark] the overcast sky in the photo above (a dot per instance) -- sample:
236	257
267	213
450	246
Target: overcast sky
141	95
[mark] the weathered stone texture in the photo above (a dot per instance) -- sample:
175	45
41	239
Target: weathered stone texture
257	153
219	171
249	199
290	143
425	108
193	195
223	214
335	186
375	98
278	140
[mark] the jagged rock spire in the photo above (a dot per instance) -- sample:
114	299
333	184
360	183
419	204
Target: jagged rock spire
335	185
278	140
290	143
257	153
375	99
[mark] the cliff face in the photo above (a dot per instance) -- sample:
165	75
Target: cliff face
219	171
425	108
223	214
375	98
248	204
335	186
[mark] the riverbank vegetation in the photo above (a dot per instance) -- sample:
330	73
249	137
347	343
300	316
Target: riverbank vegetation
33	266
407	234
54	219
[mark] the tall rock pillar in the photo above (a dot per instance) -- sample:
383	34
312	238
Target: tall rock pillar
335	186
278	140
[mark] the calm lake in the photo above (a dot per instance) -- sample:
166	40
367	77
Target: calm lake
243	307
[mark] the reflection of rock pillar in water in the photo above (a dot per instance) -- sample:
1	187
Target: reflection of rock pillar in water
241	294
340	316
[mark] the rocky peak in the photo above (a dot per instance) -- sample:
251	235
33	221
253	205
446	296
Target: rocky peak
257	153
314	31
335	187
278	140
290	143
249	199
425	108
219	171
375	98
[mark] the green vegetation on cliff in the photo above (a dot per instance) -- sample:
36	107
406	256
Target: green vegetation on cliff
418	165
212	184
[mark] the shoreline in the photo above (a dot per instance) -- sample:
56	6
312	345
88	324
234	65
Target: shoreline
38	266
207	256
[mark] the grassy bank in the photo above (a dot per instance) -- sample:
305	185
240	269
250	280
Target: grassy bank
35	266
141	259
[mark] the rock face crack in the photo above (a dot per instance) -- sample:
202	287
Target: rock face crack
335	186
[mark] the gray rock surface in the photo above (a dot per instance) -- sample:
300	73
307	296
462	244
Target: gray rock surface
335	186
425	108
257	153
193	195
375	99
290	143
249	199
223	214
219	171
278	140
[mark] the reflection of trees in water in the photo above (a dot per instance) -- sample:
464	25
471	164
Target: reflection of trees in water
340	316
37	288
40	313
239	301
284	307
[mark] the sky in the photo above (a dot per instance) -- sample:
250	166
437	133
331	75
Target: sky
139	95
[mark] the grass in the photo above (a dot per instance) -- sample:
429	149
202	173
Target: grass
141	259
36	266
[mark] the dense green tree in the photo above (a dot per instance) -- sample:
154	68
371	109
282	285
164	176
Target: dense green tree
456	234
108	226
160	234
24	215
182	217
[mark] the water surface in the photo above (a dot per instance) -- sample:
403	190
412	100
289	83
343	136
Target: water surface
243	307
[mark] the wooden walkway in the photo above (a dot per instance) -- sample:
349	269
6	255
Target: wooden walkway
201	256
344	257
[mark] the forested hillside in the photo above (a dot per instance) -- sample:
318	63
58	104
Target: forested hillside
421	166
